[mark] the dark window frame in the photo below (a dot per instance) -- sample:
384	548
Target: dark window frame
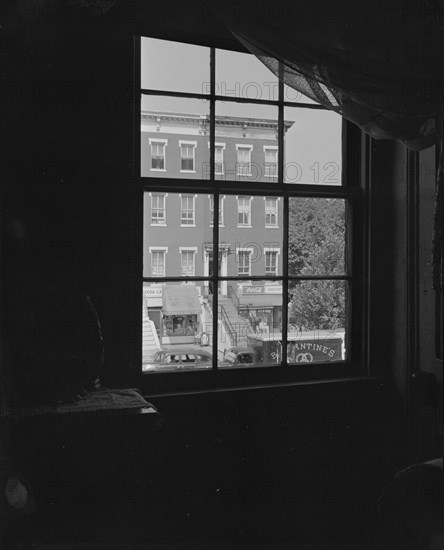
354	188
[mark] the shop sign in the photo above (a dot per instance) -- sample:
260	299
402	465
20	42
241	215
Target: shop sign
273	289
261	289
153	292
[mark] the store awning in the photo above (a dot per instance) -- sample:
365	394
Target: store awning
180	300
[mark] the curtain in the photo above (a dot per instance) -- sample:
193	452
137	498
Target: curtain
375	63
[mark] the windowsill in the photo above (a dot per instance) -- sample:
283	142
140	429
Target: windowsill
245	226
188	225
220	225
271	227
158	169
158	225
188	171
277	385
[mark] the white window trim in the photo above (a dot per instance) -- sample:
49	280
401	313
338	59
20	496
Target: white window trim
271	148
267	226
250	149
221	210
250	250
188	249
194	145
165	143
278	252
194	209
251	212
151	210
163	249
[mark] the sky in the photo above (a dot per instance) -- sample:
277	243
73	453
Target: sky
312	145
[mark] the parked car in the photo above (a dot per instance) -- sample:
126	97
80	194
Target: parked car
179	359
239	357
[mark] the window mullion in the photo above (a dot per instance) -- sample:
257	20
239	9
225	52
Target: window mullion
215	258
286	201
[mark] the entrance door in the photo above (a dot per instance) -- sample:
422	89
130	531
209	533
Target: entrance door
210	268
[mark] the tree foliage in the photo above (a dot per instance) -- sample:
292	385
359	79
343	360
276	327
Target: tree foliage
316	247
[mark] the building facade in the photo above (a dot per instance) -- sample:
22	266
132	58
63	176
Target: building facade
178	227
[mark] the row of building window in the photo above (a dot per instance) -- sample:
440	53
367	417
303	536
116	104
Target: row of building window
188	157
188	210
188	263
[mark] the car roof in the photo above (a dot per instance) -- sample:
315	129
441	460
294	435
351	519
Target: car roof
186	351
240	349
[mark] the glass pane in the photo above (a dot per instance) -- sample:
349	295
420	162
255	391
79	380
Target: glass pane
249	323
175	67
246	142
177	235
174	137
317	236
243	75
316	321
177	328
313	147
251	236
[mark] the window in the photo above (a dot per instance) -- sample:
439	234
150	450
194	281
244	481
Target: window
244	211
158	210
187	210
158	154
271	161
271	262
271	212
244	160
219	159
221	210
158	261
187	261
244	262
282	272
187	155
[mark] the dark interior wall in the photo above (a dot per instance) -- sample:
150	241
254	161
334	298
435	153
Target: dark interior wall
388	262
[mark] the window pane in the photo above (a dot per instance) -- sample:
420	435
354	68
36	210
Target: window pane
243	75
174	137
174	66
250	323
246	142
317	236
316	321
177	234
313	148
177	328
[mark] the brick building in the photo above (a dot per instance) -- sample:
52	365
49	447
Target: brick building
178	227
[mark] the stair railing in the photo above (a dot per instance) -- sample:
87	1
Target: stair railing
233	297
228	326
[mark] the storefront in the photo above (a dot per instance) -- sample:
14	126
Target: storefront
152	294
261	304
181	314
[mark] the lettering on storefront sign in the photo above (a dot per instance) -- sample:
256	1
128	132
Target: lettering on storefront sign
253	290
153	292
308	346
262	289
273	290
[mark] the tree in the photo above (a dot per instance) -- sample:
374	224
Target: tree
316	247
